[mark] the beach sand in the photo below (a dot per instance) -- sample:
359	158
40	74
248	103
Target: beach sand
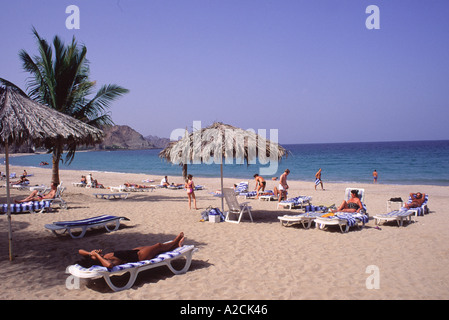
260	260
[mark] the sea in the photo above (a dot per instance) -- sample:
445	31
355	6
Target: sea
405	162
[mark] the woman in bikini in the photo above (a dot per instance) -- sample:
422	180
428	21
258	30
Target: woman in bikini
190	191
352	205
109	260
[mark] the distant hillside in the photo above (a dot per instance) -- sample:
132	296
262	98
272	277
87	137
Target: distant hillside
116	138
124	137
157	142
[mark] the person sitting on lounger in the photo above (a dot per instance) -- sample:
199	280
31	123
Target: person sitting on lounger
417	200
109	260
22	180
352	205
35	196
164	182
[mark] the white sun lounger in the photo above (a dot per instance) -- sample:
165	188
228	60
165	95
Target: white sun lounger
164	259
305	219
108	196
398	215
61	227
300	201
342	219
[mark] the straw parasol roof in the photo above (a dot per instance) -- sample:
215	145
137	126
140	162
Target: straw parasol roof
23	119
221	141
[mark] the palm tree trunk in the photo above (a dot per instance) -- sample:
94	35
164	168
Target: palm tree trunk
57	153
184	171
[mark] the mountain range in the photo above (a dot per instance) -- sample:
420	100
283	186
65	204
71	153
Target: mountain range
117	137
122	137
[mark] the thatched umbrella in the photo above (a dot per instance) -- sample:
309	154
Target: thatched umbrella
23	119
222	141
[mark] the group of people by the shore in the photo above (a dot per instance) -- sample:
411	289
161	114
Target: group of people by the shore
146	252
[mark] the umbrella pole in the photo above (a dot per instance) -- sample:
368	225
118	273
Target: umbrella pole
222	204
8	200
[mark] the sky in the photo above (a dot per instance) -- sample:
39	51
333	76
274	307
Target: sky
311	70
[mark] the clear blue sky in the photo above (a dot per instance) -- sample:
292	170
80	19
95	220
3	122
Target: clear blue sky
309	68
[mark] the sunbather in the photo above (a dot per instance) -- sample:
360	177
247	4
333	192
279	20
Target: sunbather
417	200
352	205
22	180
115	258
135	185
35	196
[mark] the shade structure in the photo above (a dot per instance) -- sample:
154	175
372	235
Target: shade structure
222	143
23	119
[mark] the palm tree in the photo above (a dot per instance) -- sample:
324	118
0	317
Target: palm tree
60	80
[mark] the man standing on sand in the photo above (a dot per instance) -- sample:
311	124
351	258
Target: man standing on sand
283	186
375	176
318	179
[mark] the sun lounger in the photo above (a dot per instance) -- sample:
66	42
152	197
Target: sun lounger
61	227
242	187
123	188
108	196
300	201
21	186
30	206
305	219
421	210
267	195
42	188
58	197
248	194
398	215
164	259
79	184
342	219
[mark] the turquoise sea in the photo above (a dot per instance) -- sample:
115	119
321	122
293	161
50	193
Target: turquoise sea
411	162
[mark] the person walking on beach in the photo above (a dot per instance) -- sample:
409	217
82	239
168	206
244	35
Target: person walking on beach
375	176
190	186
283	186
318	179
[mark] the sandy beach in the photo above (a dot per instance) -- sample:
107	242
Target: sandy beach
259	260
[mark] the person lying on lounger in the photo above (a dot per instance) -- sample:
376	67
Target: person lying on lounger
417	200
109	260
135	185
35	196
352	205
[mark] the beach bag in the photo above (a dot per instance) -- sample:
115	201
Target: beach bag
216	211
205	214
398	199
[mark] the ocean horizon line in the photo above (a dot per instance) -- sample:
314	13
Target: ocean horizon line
398	163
